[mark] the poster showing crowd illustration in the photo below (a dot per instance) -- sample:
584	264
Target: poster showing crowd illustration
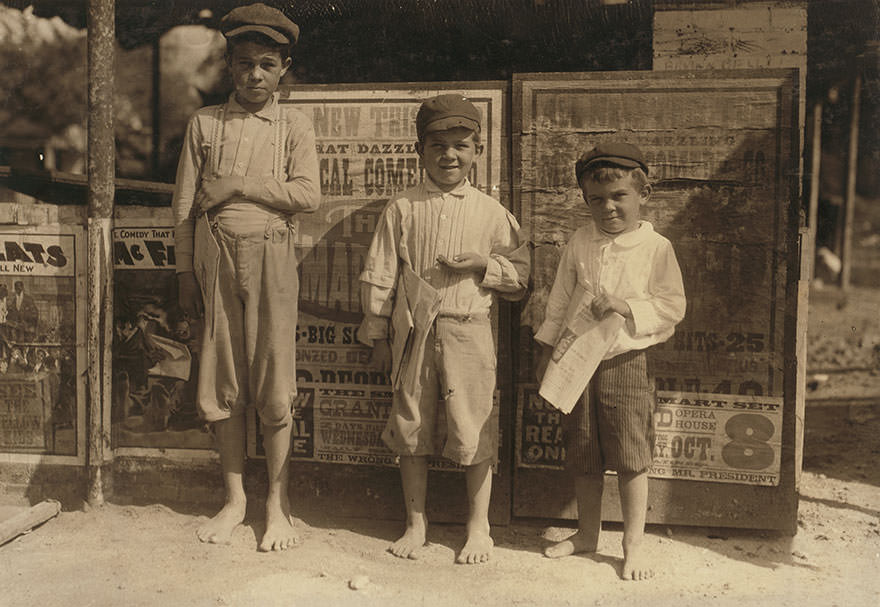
365	140
40	325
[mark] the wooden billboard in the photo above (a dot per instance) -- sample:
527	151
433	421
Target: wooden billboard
722	147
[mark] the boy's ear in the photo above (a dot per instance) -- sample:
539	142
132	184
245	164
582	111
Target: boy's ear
285	65
646	192
583	190
420	147
478	149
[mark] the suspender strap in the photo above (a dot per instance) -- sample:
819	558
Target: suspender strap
216	141
280	143
213	160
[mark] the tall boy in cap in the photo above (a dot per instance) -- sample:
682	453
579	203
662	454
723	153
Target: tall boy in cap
629	269
247	168
440	253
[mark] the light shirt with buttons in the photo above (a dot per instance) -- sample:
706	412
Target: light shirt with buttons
638	266
423	223
247	150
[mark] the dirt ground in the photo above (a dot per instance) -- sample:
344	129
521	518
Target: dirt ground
148	555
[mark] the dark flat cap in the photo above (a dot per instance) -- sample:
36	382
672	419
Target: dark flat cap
261	19
445	112
618	153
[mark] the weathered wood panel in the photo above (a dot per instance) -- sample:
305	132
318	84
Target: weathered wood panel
751	36
722	148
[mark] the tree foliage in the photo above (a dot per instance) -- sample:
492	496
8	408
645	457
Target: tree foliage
43	76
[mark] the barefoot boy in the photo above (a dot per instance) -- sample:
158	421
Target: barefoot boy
246	168
629	269
440	251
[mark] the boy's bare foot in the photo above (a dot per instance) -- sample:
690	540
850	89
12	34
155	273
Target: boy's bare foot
477	548
579	542
410	544
219	529
280	532
635	565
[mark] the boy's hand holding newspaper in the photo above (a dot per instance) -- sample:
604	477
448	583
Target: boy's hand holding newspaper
590	328
603	303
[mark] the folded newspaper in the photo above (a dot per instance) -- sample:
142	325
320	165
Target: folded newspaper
581	346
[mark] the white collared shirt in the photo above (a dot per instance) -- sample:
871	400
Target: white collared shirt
638	266
246	150
423	223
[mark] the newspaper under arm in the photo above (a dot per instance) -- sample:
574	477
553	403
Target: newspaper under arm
416	306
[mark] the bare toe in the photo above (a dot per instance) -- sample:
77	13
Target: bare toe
409	545
281	533
218	530
635	565
477	549
572	545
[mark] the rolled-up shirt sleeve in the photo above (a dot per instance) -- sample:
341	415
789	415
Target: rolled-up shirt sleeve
509	262
665	305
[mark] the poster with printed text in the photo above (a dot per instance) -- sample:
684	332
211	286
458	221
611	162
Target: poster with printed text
42	409
723	438
366	144
342	423
155	346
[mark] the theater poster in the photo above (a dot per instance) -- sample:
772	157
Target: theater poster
42	329
155	347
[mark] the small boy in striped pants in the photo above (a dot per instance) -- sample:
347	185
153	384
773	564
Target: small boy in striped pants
626	268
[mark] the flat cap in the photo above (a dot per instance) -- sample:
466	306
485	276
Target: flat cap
617	153
262	19
445	112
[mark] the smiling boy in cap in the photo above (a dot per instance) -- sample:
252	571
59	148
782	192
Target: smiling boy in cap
628	269
246	169
441	252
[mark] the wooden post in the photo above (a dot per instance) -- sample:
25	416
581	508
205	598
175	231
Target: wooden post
157	102
849	204
101	166
813	209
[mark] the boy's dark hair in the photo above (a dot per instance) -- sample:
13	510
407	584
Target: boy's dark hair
606	172
476	134
283	49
